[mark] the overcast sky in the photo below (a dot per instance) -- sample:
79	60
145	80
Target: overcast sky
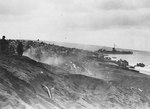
99	22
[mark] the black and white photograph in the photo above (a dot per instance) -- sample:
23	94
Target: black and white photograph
74	54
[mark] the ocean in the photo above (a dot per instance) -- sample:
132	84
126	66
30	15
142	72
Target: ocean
136	57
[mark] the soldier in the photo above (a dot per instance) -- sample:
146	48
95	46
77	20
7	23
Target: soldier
20	49
4	45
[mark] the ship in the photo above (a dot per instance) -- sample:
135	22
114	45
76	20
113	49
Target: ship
113	51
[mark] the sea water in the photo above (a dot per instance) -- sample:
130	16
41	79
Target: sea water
136	57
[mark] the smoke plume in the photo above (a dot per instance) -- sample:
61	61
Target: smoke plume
43	56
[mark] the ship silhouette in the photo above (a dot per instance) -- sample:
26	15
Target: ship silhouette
113	51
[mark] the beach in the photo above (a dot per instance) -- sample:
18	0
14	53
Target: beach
136	57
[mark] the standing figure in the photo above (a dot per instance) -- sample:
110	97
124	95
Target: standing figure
20	49
4	45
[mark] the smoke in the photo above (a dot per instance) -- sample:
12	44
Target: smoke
43	56
56	61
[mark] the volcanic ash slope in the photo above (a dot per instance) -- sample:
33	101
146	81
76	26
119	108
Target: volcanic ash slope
27	84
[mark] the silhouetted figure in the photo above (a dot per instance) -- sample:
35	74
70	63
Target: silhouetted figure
4	45
20	49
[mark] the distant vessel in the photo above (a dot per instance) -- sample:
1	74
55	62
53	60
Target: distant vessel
113	51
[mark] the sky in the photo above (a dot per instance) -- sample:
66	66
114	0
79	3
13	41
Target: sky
96	22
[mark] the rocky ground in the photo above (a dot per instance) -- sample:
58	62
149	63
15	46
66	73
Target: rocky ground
68	78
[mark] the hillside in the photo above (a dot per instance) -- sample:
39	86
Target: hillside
66	78
27	84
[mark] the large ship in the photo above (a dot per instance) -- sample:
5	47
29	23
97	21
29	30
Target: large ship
113	51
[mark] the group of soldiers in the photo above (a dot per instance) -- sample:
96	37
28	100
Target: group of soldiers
4	47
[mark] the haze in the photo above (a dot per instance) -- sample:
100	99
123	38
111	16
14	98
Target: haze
98	22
